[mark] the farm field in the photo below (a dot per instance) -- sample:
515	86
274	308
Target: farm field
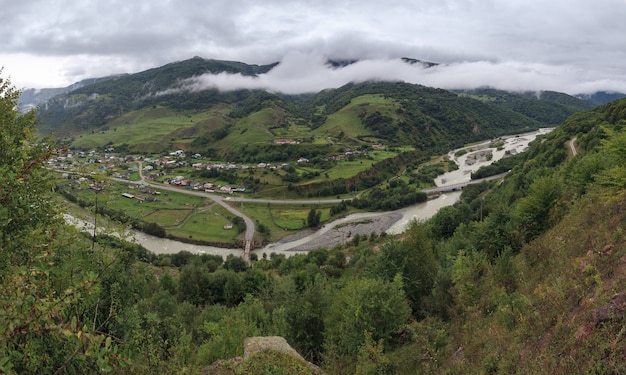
281	220
181	215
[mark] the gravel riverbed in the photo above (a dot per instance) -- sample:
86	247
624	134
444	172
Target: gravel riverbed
344	232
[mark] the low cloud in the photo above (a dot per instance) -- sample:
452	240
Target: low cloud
308	73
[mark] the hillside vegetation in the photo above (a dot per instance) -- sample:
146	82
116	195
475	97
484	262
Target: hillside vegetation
522	276
115	110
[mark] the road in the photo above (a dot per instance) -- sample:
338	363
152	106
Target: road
572	146
250	227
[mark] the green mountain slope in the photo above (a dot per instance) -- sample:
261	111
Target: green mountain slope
401	113
94	106
524	275
222	123
548	107
536	283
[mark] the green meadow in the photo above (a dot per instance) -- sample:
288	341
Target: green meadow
282	220
347	119
149	129
180	214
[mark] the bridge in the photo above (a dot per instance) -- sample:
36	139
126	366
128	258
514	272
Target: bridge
461	185
246	251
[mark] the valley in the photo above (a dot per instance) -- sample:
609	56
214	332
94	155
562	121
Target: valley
255	210
349	260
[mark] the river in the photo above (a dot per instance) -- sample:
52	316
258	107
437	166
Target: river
469	162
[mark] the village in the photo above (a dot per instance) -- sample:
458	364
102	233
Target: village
174	169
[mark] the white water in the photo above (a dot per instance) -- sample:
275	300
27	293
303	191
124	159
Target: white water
421	211
514	144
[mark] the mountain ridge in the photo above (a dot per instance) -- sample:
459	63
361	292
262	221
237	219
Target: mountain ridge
394	112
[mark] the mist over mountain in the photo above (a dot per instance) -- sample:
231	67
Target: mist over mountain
307	73
310	93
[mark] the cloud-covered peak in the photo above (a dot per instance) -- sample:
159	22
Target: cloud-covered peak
299	73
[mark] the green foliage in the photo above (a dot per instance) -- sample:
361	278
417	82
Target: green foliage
413	260
548	107
613	175
371	358
25	199
500	166
508	280
313	218
537	210
49	323
305	312
365	305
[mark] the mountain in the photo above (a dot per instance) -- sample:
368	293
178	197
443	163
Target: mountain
30	98
537	284
524	275
601	97
548	107
160	109
92	106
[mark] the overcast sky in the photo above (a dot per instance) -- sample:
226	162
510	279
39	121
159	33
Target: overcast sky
574	46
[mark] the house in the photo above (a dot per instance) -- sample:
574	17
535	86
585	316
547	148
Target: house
286	141
303	160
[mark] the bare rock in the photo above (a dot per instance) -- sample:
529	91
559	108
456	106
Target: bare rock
610	311
256	345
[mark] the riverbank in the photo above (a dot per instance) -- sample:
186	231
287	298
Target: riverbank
363	224
341	233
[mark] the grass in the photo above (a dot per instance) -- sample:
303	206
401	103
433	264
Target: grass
208	225
149	129
348	168
168	218
182	215
282	220
347	119
545	324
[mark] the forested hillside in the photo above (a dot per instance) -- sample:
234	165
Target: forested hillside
92	106
522	276
241	124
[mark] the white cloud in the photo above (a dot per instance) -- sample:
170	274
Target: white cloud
307	73
566	44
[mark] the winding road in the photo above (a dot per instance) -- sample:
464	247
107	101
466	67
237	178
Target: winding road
250	227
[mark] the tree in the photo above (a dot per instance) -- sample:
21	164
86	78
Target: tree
537	211
313	219
305	311
48	324
365	306
25	199
235	263
414	260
